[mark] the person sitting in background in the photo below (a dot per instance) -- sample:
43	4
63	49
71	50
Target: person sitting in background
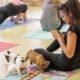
20	15
69	59
49	19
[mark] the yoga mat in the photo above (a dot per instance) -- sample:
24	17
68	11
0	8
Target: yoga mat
5	46
52	75
40	34
48	77
13	77
9	24
44	35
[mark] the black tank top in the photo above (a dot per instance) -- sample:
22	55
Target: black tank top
76	58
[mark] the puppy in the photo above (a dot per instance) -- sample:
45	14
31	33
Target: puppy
37	59
15	62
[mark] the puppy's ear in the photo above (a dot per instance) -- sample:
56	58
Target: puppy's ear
8	52
46	64
26	58
7	58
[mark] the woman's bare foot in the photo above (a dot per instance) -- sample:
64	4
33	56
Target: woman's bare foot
17	22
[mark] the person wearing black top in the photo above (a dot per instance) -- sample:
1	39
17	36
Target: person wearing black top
11	10
69	59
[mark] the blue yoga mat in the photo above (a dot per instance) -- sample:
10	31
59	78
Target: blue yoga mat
40	34
13	77
9	24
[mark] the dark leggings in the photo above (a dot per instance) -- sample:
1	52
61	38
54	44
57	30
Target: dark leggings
54	45
57	61
11	10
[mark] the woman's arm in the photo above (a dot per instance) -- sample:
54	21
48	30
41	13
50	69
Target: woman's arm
68	49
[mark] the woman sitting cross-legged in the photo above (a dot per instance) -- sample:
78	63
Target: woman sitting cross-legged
69	59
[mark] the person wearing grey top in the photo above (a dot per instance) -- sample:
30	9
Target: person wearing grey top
49	19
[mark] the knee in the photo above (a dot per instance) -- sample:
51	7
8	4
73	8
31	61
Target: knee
25	7
39	50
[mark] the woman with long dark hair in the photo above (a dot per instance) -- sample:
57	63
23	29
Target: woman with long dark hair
75	9
69	59
11	10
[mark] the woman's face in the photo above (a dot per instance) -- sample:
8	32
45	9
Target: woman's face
66	17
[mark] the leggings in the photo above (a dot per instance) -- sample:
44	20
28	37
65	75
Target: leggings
57	61
54	45
11	10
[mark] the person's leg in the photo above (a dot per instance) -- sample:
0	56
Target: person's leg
53	46
23	8
25	16
18	17
3	16
12	18
57	61
12	9
21	17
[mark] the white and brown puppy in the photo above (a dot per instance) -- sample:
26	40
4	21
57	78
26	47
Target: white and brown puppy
37	59
15	62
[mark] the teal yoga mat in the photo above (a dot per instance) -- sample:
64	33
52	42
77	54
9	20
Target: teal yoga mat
13	77
43	35
40	34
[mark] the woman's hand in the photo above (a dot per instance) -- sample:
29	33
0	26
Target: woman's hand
57	34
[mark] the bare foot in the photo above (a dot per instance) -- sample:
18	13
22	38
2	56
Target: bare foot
17	22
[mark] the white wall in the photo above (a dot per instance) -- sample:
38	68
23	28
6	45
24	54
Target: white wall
3	2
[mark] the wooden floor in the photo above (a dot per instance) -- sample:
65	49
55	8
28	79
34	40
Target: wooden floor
12	35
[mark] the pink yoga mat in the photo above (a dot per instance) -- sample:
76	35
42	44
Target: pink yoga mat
4	46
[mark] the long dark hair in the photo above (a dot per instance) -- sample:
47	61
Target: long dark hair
72	6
